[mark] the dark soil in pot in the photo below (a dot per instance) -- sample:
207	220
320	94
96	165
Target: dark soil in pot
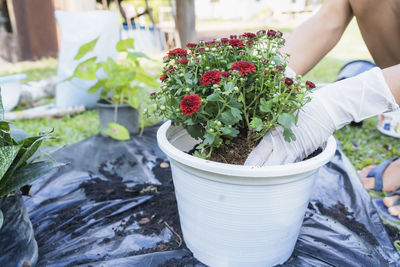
238	151
126	116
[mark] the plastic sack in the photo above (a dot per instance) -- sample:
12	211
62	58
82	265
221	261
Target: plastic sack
78	28
114	205
147	39
18	246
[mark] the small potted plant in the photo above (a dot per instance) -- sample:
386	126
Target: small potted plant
20	165
122	84
222	97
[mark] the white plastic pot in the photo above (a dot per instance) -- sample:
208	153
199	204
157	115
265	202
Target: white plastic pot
11	90
234	215
389	123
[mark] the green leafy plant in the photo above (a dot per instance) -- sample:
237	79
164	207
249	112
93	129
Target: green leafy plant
20	159
121	81
230	87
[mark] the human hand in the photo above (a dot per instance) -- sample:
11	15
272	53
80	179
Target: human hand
330	108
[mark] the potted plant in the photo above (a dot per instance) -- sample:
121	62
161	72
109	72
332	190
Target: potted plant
122	84
222	97
20	164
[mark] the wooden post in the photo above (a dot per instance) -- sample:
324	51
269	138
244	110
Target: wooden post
185	21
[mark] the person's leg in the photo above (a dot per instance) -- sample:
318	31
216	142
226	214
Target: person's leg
391	182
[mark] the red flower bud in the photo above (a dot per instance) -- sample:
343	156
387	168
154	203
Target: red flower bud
224	40
288	81
310	84
183	61
162	78
271	33
191	45
153	94
226	74
279	68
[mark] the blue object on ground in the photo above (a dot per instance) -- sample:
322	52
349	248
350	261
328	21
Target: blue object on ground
354	68
377	173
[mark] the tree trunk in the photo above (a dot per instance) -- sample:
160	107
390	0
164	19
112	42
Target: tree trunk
185	17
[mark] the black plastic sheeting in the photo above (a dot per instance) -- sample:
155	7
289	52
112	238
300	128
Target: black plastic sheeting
75	225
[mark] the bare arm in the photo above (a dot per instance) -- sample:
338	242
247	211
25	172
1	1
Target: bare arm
392	78
312	40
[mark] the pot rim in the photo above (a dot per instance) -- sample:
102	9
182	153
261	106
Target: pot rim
241	170
105	105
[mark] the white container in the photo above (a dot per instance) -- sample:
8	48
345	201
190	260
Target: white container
389	123
234	215
11	90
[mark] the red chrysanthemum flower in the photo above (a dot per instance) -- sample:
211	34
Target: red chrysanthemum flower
171	70
190	104
310	84
211	76
271	33
226	74
249	35
191	45
243	67
261	32
210	43
288	81
233	36
236	43
202	49
177	52
183	61
250	42
224	40
279	68
162	78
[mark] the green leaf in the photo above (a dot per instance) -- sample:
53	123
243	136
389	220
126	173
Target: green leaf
286	120
143	77
124	45
265	106
196	131
228	118
87	69
138	55
1	219
213	97
1	107
233	132
117	131
86	48
99	84
235	103
209	139
236	113
25	155
257	124
7	156
288	135
27	175
5	126
134	101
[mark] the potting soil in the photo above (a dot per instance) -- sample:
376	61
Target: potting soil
114	205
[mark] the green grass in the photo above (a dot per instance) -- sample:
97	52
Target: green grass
35	70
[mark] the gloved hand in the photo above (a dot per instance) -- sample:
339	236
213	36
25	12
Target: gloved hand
330	108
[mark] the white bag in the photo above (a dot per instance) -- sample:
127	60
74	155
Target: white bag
78	28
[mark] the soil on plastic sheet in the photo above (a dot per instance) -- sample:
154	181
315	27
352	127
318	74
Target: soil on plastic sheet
154	215
340	213
393	232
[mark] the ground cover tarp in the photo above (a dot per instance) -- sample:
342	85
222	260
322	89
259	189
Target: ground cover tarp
114	205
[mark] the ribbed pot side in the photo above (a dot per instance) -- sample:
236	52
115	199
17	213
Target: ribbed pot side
239	215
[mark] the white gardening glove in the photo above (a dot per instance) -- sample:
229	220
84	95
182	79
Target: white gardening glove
330	108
